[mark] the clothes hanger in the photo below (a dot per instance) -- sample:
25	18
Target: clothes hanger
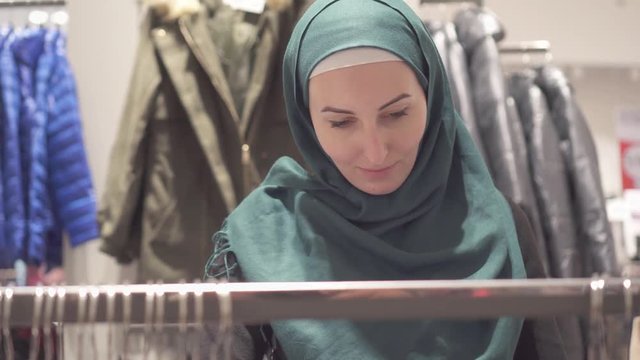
225	309
93	307
182	321
111	304
126	320
47	323
6	330
148	320
34	348
596	350
198	317
82	311
158	321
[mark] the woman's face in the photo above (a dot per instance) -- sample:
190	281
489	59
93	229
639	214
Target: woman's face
370	120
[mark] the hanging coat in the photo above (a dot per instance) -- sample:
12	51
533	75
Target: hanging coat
6	247
550	185
455	61
581	161
520	188
56	186
190	145
27	49
69	185
478	31
15	225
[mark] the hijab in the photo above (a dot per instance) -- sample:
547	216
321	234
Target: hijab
446	221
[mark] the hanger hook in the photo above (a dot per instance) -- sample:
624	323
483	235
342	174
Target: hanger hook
198	318
126	319
596	317
225	308
148	318
158	322
34	348
93	309
111	305
6	328
628	297
47	322
182	319
82	304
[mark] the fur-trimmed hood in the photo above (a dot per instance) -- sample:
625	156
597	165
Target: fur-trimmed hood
173	9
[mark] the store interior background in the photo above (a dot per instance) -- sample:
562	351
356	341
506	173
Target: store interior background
595	41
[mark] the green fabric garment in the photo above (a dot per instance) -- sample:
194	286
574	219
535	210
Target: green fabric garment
447	221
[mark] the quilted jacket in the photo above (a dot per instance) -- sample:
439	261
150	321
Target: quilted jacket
45	175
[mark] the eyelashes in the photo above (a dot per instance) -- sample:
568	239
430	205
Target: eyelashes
398	114
338	124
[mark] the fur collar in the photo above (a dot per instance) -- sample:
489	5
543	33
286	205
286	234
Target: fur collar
173	9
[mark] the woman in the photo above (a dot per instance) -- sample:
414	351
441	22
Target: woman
395	190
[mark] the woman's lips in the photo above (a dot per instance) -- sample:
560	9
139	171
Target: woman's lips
378	172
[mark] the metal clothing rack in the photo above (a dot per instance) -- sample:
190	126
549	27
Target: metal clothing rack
32	3
265	302
536	46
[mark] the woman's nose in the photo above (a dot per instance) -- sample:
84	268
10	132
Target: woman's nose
375	147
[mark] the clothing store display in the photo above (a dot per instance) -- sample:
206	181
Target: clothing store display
47	186
302	227
455	60
549	174
13	234
521	190
199	131
578	148
478	31
550	185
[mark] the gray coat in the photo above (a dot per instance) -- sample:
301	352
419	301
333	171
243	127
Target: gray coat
478	32
552	191
581	160
455	60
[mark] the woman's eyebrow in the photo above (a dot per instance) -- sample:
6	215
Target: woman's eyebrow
394	100
336	110
343	111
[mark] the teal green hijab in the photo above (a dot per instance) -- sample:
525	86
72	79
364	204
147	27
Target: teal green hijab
447	221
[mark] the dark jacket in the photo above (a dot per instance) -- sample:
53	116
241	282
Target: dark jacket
455	61
581	161
478	32
520	187
540	338
550	184
190	146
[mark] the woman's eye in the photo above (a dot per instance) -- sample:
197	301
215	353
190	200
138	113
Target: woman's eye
398	114
340	124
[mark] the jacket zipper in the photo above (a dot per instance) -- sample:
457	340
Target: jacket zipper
245	148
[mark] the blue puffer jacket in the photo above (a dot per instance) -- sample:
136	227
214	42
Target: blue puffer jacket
57	191
6	252
71	187
14	202
28	48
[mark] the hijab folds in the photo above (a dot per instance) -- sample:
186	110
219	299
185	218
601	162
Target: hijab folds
447	220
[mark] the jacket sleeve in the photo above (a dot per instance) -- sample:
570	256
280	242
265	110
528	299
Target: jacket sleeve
70	178
540	339
119	215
